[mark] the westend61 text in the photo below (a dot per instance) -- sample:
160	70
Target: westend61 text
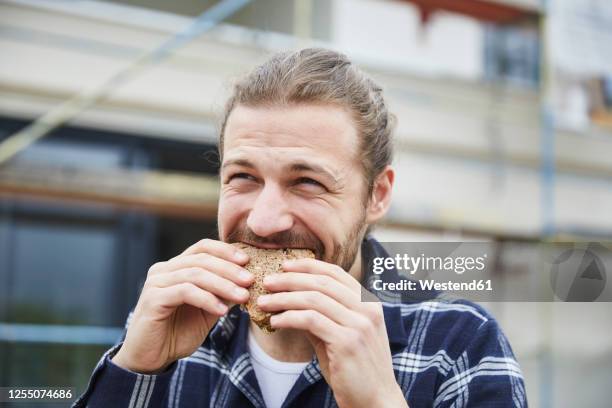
429	284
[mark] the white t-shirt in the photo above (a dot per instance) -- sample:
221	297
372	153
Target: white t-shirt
275	378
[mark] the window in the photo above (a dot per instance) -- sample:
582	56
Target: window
512	55
70	273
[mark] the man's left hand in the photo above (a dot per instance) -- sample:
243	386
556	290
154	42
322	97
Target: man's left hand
349	336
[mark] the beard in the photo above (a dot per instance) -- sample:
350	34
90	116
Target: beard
342	254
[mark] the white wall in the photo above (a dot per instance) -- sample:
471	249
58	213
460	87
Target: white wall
468	155
390	32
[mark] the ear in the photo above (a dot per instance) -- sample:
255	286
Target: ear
380	200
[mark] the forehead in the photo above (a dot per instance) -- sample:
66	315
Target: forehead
325	132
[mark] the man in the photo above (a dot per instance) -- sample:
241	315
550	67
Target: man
305	145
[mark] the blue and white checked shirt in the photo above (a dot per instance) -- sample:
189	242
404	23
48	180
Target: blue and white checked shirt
445	354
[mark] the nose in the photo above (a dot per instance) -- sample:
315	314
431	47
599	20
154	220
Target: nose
270	213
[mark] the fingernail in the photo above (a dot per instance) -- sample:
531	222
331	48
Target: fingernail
269	280
288	264
221	307
241	256
273	320
241	292
245	275
263	299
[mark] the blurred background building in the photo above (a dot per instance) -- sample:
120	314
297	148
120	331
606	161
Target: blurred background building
505	135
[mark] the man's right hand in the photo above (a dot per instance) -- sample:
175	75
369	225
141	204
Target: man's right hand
180	302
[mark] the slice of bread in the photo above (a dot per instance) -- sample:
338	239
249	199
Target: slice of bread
263	262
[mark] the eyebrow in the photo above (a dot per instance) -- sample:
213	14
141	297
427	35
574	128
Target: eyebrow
293	168
238	162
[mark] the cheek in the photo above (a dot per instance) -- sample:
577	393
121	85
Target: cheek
322	218
334	220
231	209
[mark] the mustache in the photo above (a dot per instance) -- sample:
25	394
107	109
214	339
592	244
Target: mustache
284	239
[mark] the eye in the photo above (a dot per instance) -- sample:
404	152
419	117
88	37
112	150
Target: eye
240	176
310	185
306	180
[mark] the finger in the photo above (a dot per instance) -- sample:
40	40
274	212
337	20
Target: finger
309	300
295	281
226	269
188	293
219	249
315	266
211	282
310	321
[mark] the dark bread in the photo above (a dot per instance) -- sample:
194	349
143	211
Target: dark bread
263	262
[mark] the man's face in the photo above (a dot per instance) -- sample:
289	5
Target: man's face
291	178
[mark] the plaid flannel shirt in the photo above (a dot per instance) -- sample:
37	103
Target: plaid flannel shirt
446	353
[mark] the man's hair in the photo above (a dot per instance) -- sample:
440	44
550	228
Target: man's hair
317	75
